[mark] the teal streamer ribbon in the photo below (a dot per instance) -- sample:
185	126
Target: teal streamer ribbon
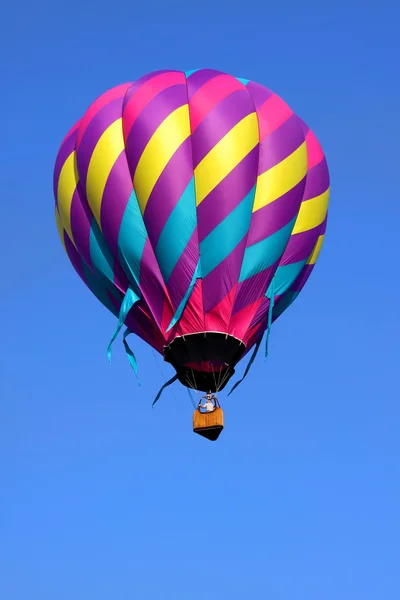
129	300
252	358
174	378
271	296
185	299
130	355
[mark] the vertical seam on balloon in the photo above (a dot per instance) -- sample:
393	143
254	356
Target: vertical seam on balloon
148	240
248	231
195	198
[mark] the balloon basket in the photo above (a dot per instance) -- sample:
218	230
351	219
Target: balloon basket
208	424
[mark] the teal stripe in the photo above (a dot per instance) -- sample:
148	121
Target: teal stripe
100	254
244	81
284	303
132	238
265	253
98	290
285	276
189	73
227	235
177	232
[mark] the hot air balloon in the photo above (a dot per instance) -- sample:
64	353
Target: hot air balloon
194	207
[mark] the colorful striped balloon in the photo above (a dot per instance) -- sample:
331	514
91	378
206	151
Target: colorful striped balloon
194	206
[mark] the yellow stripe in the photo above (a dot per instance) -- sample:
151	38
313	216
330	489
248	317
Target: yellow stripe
163	144
60	228
226	155
312	213
312	259
281	178
66	187
106	152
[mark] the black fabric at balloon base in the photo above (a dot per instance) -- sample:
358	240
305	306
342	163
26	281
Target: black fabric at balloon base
204	361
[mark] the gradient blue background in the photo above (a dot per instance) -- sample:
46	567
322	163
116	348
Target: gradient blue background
102	497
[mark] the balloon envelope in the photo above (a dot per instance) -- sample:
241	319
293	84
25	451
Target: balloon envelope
193	205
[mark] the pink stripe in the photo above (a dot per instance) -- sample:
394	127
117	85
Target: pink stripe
252	336
222	279
218	318
314	151
259	94
209	95
106	98
254	288
192	319
240	322
145	93
272	114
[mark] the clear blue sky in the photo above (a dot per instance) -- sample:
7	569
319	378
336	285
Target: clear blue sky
102	497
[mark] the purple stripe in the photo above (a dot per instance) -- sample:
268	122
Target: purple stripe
260	315
199	78
138	322
276	214
74	258
182	274
81	218
221	280
302	278
300	246
150	118
254	288
167	191
304	127
317	180
323	226
280	144
227	195
139	82
120	279
219	121
115	199
151	283
259	93
97	126
65	150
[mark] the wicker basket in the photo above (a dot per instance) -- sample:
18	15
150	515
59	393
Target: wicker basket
208	424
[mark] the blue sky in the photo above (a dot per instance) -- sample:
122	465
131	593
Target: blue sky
102	497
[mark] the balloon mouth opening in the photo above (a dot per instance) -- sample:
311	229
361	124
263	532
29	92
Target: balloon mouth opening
204	361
